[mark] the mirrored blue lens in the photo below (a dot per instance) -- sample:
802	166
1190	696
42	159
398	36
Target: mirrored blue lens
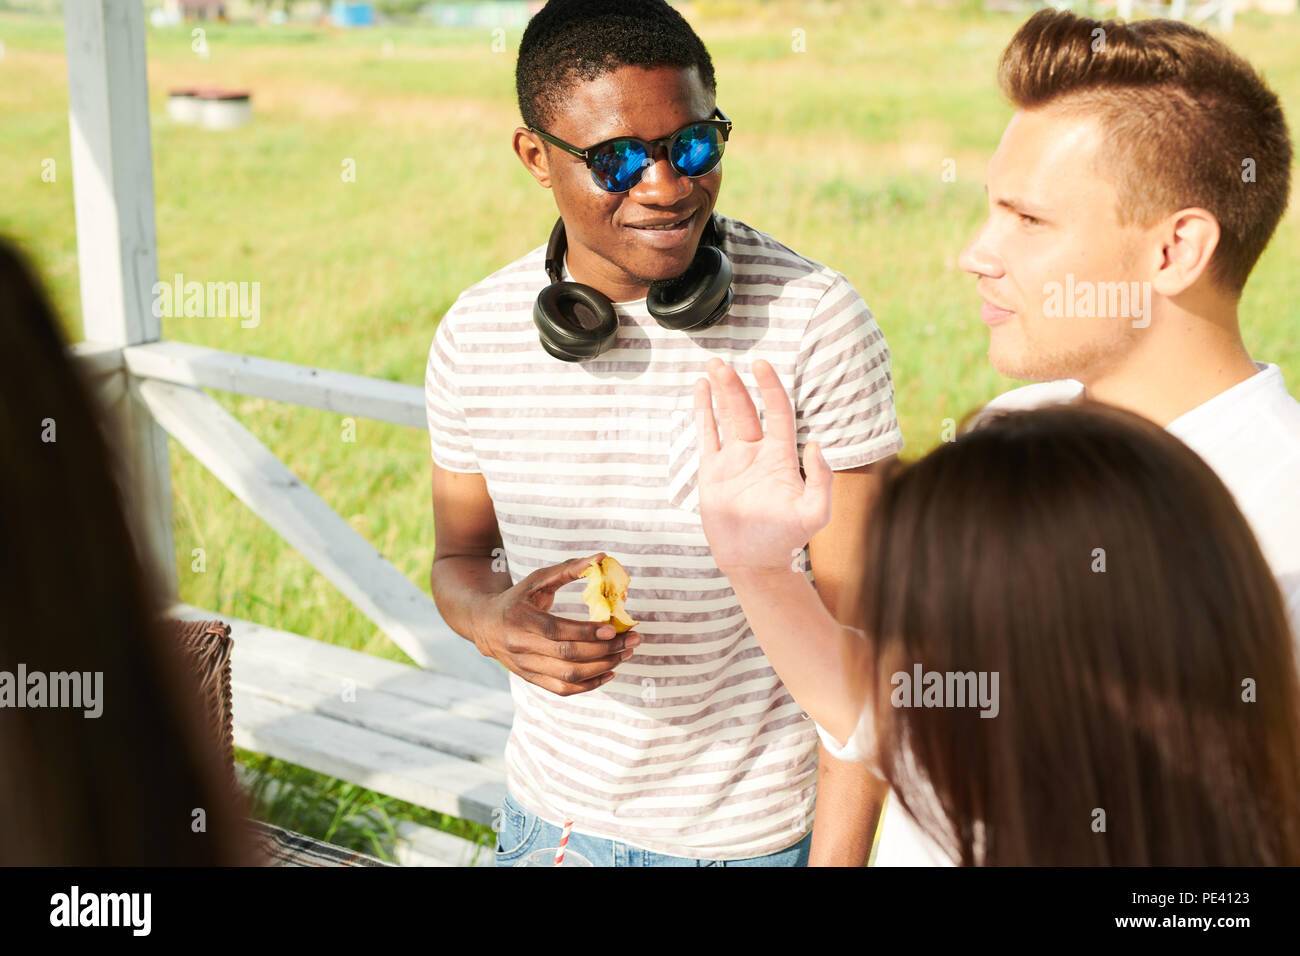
697	150
618	166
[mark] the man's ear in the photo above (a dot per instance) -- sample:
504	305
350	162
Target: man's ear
532	153
1188	239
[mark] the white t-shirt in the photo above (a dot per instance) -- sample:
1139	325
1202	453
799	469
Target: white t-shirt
1250	435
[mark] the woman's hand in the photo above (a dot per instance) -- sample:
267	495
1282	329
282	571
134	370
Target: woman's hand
756	509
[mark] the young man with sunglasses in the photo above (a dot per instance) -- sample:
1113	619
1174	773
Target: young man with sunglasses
672	743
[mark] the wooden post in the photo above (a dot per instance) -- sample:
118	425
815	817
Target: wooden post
112	178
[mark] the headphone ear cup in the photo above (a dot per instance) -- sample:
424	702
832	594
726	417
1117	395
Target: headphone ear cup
696	299
574	321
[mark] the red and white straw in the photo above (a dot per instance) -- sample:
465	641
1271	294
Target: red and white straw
564	839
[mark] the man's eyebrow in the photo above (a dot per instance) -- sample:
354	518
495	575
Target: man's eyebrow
1021	206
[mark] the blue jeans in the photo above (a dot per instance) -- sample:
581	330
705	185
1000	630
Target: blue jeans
522	832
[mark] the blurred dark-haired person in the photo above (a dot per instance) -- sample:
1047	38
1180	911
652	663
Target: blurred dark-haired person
131	775
1132	193
1073	651
674	743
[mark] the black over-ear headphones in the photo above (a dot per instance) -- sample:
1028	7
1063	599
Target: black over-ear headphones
576	322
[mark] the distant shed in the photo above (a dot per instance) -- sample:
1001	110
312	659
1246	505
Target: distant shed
352	14
196	9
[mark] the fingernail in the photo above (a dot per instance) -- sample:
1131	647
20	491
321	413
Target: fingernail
633	640
627	653
605	632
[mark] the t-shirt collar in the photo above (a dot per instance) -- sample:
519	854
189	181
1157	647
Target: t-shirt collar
1268	377
635	304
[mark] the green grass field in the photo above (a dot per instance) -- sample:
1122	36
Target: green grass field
837	152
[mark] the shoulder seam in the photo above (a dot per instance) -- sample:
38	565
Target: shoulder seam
765	239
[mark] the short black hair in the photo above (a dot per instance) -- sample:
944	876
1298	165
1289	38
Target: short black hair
580	40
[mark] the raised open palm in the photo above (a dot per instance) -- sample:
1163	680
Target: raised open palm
757	510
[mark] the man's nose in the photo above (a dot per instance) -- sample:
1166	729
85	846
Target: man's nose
979	258
660	184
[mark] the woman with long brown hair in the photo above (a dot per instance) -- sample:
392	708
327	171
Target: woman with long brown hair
130	776
1072	650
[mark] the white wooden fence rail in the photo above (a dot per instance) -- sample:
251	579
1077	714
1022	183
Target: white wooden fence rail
341	392
260	480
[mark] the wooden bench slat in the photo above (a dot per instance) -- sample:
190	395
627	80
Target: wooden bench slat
430	739
423	846
374	709
435	689
419	775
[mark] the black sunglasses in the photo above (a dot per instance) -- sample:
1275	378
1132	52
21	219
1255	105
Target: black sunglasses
617	164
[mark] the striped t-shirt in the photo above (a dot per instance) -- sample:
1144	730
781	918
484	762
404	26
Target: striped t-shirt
695	748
